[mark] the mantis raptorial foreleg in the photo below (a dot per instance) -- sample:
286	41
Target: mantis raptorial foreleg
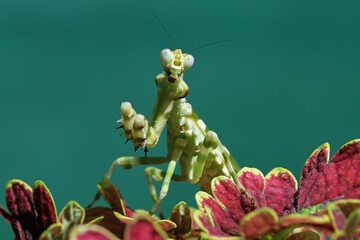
198	150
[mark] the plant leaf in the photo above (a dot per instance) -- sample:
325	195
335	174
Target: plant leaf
166	225
91	232
353	222
208	225
279	189
338	179
44	205
347	206
218	212
109	221
235	200
254	182
258	222
304	235
21	206
73	213
337	217
143	228
53	232
181	216
113	197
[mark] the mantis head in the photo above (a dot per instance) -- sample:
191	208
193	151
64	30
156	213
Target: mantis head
175	63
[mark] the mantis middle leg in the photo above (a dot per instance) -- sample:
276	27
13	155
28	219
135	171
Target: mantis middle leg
127	163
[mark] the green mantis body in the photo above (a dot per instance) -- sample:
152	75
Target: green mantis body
197	149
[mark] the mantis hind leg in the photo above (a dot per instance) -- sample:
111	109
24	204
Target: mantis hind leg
127	163
158	175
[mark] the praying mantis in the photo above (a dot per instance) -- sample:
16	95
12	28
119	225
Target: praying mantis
190	142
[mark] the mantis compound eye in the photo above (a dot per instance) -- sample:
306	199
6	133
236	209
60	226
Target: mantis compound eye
188	62
165	57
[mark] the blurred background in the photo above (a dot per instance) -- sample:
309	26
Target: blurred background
288	84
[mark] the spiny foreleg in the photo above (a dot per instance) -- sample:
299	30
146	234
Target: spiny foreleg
136	128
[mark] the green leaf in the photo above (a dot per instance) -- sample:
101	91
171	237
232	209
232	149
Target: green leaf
73	213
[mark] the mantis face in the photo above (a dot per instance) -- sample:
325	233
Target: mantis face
175	63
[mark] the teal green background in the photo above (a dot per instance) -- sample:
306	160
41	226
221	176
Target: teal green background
288	84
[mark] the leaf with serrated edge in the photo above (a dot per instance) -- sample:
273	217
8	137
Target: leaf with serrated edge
313	167
236	202
218	211
254	181
280	188
143	228
339	179
44	205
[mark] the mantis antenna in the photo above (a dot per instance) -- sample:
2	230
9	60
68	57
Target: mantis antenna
163	26
212	43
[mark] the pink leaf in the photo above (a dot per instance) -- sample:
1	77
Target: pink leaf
236	202
91	232
280	189
208	225
254	182
336	180
219	213
143	228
